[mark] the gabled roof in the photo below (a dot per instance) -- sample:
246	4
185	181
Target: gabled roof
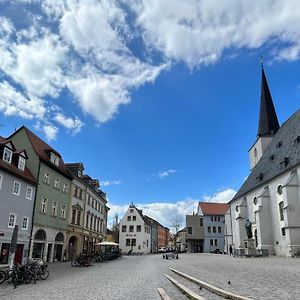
210	208
4	141
42	149
282	154
268	122
13	169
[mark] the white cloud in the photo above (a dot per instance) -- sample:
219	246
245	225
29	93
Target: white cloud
164	212
86	47
14	103
50	131
73	124
221	196
166	173
198	32
83	48
110	182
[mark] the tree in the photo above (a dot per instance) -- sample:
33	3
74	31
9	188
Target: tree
176	222
115	228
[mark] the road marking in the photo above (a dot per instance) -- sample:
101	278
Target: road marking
212	288
189	293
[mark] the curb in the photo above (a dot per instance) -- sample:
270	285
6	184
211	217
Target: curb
189	293
212	288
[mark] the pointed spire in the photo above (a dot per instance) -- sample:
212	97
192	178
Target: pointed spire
268	122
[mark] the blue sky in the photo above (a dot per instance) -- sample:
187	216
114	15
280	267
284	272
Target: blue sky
159	99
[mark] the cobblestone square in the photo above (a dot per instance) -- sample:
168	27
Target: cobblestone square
138	277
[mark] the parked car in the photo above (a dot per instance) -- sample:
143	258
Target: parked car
162	250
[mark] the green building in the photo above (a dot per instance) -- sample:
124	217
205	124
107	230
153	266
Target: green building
52	198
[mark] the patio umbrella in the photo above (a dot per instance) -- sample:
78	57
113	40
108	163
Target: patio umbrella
13	245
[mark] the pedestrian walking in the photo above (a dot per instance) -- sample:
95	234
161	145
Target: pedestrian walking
230	250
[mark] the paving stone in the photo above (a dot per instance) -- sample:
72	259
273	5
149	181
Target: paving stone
138	277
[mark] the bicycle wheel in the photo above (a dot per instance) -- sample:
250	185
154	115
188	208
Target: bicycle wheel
16	278
3	276
44	274
74	263
91	262
27	276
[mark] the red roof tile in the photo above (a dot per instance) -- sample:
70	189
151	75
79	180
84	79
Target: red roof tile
43	150
209	208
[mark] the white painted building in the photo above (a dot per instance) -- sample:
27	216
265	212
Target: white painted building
270	196
135	233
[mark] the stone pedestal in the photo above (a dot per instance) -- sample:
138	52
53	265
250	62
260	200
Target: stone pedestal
250	247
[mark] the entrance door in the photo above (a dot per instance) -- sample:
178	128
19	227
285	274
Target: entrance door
19	254
58	252
4	253
49	254
197	246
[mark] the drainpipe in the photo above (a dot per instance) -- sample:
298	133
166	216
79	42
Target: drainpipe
29	255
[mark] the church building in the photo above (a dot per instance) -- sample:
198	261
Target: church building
270	196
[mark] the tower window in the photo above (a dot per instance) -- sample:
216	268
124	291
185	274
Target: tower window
281	211
279	189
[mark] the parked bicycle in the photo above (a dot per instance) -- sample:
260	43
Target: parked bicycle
24	274
39	270
17	275
82	261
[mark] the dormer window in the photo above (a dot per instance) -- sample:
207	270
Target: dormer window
79	173
7	155
54	159
21	163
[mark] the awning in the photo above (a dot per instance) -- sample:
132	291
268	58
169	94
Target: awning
107	244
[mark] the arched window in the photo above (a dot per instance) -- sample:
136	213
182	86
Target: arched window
279	189
255	200
40	235
59	237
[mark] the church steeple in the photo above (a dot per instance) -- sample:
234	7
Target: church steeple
268	122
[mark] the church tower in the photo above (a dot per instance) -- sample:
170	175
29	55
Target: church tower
268	123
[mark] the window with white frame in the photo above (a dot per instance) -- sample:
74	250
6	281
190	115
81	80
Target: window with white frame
25	223
21	163
16	188
47	178
54	159
56	183
29	193
1	178
65	188
63	212
7	155
54	209
44	205
12	220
